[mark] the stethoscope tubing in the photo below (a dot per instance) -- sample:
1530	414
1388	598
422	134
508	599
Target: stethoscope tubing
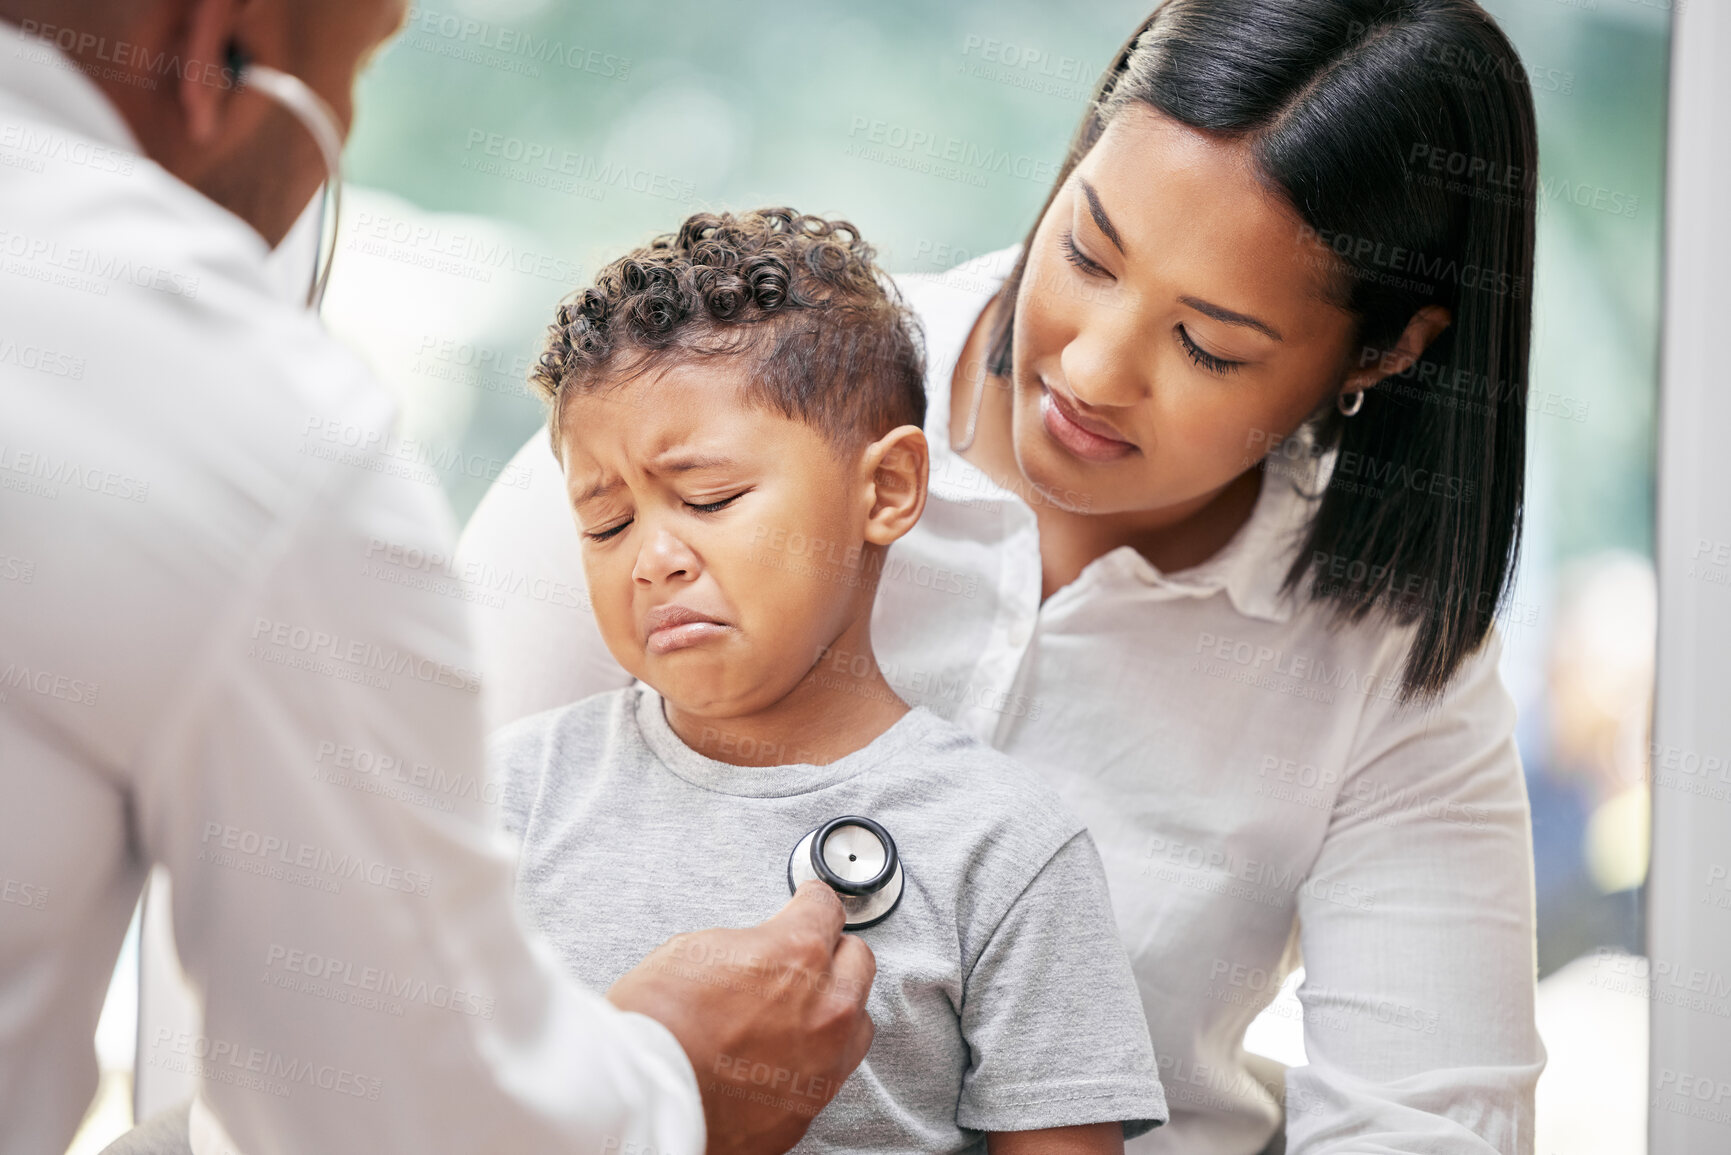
320	121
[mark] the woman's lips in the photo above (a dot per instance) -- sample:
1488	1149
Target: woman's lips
1061	423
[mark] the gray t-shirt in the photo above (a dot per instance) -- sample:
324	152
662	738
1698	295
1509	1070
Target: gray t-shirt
1004	999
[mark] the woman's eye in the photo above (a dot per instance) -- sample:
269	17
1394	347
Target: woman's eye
711	507
1205	359
607	533
1078	258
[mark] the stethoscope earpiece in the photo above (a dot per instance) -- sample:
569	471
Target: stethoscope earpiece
236	58
320	121
856	858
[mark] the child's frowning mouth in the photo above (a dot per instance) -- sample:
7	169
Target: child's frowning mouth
672	627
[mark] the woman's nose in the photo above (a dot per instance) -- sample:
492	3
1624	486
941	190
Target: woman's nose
664	556
1102	364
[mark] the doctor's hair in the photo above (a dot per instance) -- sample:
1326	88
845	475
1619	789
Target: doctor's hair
829	340
1347	106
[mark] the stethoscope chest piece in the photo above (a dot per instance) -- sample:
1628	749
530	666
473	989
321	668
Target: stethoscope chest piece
856	858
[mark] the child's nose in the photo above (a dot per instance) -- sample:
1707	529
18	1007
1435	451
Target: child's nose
664	556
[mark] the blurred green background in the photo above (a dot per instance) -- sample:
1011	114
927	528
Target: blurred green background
753	102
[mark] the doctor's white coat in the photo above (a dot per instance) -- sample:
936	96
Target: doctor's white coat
220	651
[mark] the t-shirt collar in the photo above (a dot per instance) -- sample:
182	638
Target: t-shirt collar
781	781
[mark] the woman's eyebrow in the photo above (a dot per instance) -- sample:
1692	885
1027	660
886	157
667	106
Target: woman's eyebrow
1098	212
1209	309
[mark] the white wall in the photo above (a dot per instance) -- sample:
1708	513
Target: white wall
1689	906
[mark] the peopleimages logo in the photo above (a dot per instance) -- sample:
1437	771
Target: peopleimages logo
345	765
931	145
1354	471
324	976
363	654
40	359
90	51
582	168
91	270
1426	272
473	255
222	844
51	473
48	684
23	894
510	44
226	1061
40	144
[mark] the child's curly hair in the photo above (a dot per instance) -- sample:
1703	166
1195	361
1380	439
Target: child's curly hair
831	342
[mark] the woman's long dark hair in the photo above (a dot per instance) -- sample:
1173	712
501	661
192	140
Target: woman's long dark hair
1402	133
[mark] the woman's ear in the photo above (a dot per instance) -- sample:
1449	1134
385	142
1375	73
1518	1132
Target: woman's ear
1377	364
896	468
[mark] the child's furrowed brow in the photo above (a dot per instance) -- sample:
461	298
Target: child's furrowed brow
599	489
679	461
673	463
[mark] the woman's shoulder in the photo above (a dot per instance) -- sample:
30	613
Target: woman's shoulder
1458	742
1365	661
1303	617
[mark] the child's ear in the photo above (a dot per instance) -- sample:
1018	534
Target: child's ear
896	467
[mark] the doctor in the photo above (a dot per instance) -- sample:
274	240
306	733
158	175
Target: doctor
201	666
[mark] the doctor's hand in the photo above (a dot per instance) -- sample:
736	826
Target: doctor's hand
773	1017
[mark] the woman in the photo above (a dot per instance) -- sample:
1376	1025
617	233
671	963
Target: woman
1226	484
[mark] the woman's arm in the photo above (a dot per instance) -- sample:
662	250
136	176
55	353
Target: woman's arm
522	567
1417	936
1087	1139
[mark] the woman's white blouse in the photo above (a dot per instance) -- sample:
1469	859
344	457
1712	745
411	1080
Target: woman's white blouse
1260	798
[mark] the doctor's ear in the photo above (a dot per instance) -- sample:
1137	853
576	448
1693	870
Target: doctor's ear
895	469
212	55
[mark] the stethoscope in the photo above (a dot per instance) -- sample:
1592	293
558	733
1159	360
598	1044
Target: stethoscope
321	123
856	858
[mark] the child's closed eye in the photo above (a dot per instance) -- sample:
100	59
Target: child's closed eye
712	506
700	507
607	533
